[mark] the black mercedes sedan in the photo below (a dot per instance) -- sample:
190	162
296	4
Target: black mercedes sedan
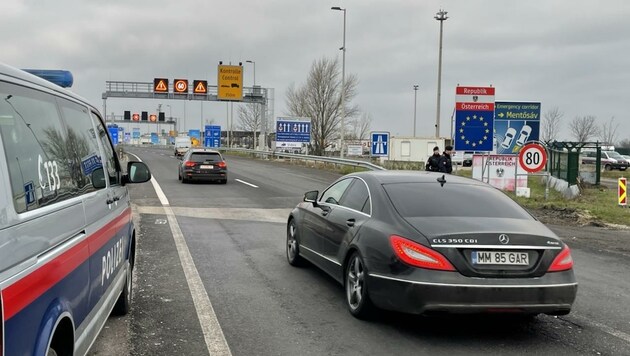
423	243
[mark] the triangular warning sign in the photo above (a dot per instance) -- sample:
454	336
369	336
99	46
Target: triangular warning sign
201	88
161	86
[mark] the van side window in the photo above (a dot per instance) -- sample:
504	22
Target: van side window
111	161
36	145
83	144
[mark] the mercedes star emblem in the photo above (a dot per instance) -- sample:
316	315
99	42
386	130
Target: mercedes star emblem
504	239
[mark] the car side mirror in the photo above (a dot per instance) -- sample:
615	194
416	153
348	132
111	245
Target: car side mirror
98	178
311	197
137	172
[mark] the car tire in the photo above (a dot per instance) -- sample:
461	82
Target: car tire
123	304
355	283
293	245
223	181
608	167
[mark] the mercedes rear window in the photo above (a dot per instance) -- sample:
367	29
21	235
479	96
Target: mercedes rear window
205	157
452	200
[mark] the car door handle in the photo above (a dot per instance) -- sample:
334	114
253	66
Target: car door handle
324	212
109	201
350	222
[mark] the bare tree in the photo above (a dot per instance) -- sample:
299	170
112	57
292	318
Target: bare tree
608	132
584	128
320	100
625	143
360	127
250	118
550	125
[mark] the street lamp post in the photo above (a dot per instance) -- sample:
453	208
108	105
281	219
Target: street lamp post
440	16
415	102
254	63
343	78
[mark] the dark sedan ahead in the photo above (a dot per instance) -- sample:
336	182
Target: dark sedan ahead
421	242
202	164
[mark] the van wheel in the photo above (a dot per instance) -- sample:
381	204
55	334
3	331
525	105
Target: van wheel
123	304
608	167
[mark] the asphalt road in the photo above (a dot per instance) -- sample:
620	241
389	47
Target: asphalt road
235	236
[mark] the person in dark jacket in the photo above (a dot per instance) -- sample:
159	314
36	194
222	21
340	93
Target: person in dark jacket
445	165
434	160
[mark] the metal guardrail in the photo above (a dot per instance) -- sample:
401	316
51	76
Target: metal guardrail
278	154
332	160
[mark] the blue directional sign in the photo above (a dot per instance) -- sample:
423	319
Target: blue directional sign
113	133
515	124
154	138
293	131
473	130
380	144
212	136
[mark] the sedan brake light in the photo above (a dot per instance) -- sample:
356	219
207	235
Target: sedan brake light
222	164
189	164
418	255
562	262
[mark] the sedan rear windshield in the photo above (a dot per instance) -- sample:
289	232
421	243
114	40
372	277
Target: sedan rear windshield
456	200
205	157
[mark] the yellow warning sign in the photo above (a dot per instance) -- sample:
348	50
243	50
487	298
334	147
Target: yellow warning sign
160	85
200	87
230	82
623	192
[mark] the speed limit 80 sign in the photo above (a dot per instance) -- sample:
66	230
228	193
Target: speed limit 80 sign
532	157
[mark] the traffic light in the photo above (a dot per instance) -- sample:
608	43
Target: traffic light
145	116
127	116
161	117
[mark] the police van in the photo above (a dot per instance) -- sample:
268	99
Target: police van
67	241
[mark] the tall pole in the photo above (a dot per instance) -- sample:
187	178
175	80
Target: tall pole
440	16
415	102
254	63
343	80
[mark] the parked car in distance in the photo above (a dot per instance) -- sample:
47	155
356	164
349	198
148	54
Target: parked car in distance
609	160
182	144
203	164
371	234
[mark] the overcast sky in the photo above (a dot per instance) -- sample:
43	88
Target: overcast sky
570	54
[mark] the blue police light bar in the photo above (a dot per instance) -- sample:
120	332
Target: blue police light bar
63	78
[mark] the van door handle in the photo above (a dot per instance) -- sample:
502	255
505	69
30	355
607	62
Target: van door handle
350	222
109	201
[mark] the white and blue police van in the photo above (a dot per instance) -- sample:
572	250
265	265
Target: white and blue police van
67	241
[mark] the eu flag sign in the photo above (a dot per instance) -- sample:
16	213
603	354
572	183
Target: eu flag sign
474	119
474	130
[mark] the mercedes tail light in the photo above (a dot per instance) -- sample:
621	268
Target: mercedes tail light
562	262
222	165
189	164
417	255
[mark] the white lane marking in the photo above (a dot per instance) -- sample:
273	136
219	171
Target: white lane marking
250	184
605	328
212	332
244	214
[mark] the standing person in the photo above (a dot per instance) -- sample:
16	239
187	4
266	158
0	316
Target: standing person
446	165
434	160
